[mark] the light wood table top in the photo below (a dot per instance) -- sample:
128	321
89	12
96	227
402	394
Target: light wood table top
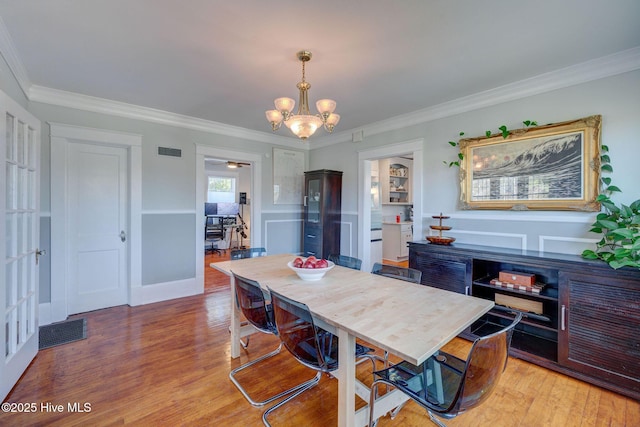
409	320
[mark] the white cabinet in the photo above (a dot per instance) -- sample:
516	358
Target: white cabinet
395	180
394	240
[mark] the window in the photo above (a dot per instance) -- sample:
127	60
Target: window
221	189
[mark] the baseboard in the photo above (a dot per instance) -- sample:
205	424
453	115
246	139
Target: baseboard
45	316
165	291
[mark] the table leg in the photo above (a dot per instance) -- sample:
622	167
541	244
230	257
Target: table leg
346	375
235	322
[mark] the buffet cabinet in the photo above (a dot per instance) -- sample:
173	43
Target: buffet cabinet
583	320
322	213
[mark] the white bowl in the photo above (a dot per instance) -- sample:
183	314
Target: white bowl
311	274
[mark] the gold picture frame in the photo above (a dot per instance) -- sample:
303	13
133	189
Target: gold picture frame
552	167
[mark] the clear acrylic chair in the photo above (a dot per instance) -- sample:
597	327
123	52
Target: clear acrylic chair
236	254
345	261
311	345
250	299
445	385
400	273
248	253
396	272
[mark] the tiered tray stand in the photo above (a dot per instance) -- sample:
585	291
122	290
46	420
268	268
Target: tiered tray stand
440	239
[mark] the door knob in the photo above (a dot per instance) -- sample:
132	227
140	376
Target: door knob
123	236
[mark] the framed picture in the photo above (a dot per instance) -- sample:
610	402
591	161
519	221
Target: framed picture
288	177
552	167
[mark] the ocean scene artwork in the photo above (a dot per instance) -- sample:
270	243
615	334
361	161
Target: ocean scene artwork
544	168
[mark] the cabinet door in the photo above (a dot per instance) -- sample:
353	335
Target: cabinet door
450	273
313	194
599	324
406	235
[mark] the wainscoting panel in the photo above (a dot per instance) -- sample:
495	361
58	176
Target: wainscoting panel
167	247
349	234
282	235
565	245
544	231
488	238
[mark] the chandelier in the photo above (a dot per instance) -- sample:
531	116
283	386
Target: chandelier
303	124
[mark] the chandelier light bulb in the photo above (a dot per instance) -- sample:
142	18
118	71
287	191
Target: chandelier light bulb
326	106
331	122
275	118
284	104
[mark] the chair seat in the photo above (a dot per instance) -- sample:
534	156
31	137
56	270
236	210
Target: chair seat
446	385
328	344
417	381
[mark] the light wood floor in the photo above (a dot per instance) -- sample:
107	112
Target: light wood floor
167	364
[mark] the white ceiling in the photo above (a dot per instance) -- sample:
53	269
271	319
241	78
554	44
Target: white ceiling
226	61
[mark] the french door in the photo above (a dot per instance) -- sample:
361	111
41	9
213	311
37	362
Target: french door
19	234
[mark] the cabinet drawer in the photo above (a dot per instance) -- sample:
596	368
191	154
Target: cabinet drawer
315	250
312	234
312	240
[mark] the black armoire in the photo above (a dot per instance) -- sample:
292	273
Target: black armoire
322	212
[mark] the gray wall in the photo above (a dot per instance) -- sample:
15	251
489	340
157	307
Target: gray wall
616	98
168	191
169	184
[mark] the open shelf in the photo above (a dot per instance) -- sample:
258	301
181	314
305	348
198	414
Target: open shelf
525	337
548	292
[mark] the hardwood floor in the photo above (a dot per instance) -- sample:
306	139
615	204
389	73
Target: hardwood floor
167	364
396	263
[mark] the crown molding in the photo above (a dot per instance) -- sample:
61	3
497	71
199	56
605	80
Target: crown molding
606	66
104	106
10	55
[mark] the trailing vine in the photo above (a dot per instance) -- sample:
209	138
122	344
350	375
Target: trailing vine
504	131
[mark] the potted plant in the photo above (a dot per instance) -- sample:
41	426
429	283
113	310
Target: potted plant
619	225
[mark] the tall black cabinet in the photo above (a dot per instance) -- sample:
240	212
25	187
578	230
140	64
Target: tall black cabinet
322	212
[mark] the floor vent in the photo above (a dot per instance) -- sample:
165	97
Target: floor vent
173	152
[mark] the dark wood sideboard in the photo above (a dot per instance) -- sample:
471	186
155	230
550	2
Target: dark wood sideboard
587	317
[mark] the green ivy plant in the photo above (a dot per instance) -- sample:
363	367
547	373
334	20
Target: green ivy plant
618	225
504	131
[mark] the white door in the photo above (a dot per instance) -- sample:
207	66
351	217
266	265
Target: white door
19	234
97	227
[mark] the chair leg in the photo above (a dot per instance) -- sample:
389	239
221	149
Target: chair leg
435	420
302	388
272	398
396	410
372	400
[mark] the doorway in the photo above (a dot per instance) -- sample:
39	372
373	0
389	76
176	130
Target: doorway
89	222
411	148
254	216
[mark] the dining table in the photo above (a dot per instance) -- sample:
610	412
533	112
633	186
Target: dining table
408	320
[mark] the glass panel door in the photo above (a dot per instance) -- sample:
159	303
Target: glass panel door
313	200
20	231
